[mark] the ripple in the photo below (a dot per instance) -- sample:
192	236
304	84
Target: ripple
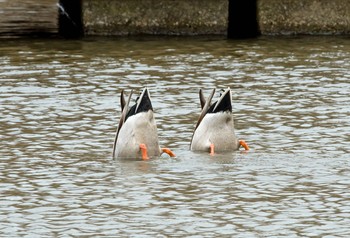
59	111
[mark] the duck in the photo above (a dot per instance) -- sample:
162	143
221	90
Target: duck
214	131
137	135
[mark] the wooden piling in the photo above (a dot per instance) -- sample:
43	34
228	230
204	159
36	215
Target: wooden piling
28	17
70	18
243	19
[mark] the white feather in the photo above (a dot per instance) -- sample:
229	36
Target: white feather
138	129
217	129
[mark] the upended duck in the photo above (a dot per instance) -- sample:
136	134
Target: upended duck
214	131
137	135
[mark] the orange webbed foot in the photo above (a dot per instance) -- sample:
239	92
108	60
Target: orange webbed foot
143	149
244	144
168	151
211	148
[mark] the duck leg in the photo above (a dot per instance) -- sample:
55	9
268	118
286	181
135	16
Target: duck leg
168	151
143	149
244	144
211	148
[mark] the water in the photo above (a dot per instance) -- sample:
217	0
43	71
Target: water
59	108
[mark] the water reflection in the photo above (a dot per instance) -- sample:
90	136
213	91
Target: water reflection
59	110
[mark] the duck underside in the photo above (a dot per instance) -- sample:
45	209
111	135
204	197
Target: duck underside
138	129
216	129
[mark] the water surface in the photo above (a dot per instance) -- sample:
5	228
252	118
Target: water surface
59	109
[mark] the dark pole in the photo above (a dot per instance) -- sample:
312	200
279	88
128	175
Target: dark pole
243	19
70	18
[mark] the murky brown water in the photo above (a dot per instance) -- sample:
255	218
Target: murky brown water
59	108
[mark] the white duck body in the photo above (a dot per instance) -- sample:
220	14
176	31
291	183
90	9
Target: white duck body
215	126
138	129
217	129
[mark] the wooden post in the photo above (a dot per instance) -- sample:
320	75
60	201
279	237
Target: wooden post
28	18
242	20
70	18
